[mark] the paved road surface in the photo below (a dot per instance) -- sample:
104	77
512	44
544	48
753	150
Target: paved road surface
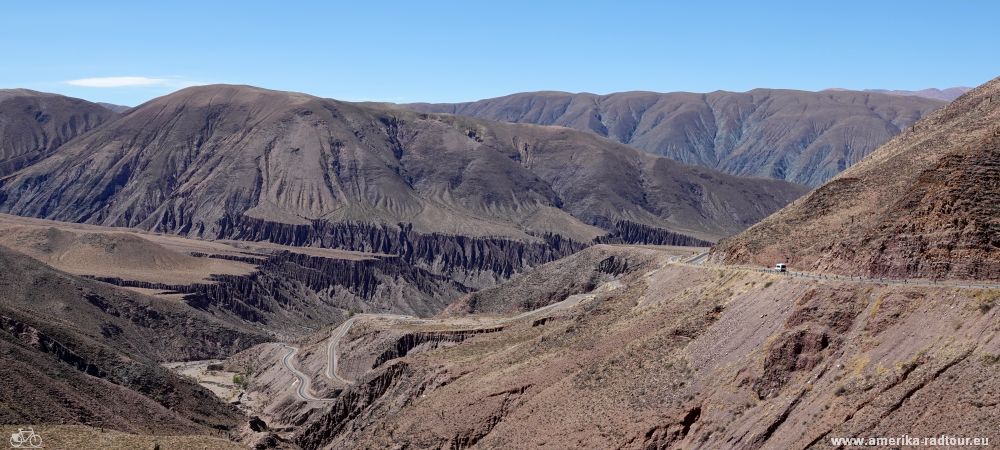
338	333
886	281
697	259
302	390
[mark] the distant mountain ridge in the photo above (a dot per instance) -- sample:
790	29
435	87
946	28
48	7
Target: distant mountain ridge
120	109
798	136
947	95
193	161
34	124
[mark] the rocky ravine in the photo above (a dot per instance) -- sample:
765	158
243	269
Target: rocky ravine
798	136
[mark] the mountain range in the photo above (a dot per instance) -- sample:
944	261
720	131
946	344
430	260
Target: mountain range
798	136
212	161
947	95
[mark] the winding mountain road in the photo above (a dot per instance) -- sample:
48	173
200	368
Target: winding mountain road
338	333
302	391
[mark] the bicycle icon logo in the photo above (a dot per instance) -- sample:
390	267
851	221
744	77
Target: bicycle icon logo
25	439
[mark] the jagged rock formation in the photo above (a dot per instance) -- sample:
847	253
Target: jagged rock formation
77	351
427	341
285	288
34	124
477	262
798	136
625	232
923	205
202	160
292	293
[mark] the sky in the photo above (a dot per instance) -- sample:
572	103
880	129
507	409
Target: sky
444	51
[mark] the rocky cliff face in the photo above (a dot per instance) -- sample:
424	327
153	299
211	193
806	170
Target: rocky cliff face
410	273
475	261
198	161
34	124
798	136
921	206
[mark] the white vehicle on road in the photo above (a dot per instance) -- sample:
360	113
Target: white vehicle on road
780	267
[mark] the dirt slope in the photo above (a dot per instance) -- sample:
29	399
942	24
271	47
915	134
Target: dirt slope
923	205
115	254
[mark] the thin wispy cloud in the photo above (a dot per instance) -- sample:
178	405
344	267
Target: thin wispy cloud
124	82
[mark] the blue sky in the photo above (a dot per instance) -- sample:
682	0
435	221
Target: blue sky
458	51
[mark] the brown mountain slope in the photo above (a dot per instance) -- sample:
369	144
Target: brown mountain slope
78	351
803	137
226	161
923	205
34	124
